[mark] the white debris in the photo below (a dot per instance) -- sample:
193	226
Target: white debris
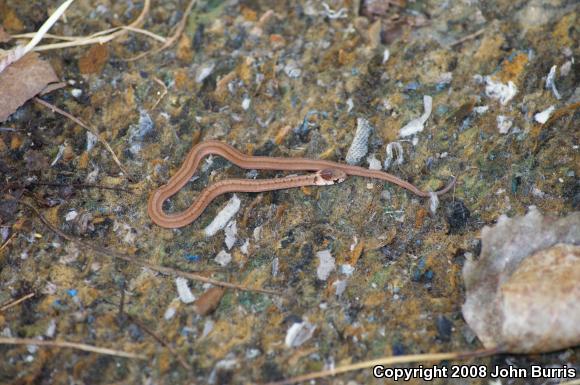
374	163
551	82
231	232
171	310
292	69
503	124
359	146
326	264
91	140
299	333
76	92
542	117
347	269
92	176
416	125
339	287
349	105
340	14
223	217
223	258
207	327
565	69
204	71
257	233
389	159
480	109
246	103
51	328
386	55
433	202
185	294
59	154
500	91
71	215
245	246
275	266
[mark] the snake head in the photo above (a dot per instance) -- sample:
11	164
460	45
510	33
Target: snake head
329	176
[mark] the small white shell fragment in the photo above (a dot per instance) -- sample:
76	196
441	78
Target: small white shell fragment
244	248
207	327
223	258
418	124
76	92
339	287
542	117
231	232
169	312
257	233
299	333
480	109
503	124
389	159
346	269
223	217
551	82
275	267
91	140
185	294
325	264
386	55
51	328
500	91
374	163
204	71
359	146
71	215
246	103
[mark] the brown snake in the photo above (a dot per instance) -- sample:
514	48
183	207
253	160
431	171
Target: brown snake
326	173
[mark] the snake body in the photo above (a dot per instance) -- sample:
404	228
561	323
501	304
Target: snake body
326	173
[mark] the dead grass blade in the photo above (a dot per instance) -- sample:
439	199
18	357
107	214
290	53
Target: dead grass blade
72	345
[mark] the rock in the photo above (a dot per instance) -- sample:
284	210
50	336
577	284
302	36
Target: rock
522	294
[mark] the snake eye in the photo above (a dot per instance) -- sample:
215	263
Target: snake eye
327	174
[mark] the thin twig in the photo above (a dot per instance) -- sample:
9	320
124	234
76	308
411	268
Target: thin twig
87	127
172	39
467	37
102	36
131	259
91	37
7	241
157	338
158	81
73	345
388	361
82	185
15	302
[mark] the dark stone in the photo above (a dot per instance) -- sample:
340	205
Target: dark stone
444	327
457	215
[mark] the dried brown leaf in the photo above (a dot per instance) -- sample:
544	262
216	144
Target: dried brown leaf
21	81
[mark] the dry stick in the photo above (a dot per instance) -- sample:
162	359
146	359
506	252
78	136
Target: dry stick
15	302
87	127
387	361
82	185
97	38
130	259
93	37
157	338
170	40
7	241
73	345
468	37
158	81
